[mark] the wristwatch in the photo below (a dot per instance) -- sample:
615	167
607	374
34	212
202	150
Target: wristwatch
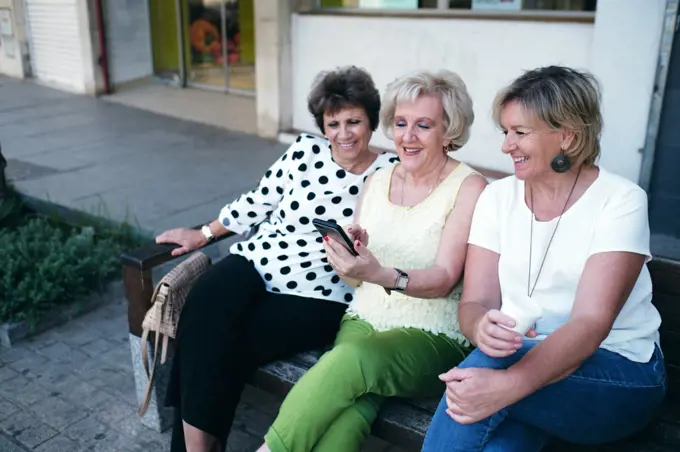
402	280
207	233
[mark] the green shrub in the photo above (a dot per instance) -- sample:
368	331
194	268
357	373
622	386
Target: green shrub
46	263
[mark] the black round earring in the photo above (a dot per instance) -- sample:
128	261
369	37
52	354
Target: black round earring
561	163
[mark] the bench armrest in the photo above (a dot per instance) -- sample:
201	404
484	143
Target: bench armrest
137	265
153	254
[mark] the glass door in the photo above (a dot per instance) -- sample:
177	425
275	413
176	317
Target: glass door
205	36
165	41
241	45
207	44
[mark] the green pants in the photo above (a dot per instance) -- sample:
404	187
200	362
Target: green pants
332	407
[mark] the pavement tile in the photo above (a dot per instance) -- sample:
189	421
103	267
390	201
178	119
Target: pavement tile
30	365
59	444
6	373
24	428
7	445
114	411
80	337
7	409
54	375
97	347
15	353
119	357
12	389
84	394
60	352
29	394
114	442
58	413
88	433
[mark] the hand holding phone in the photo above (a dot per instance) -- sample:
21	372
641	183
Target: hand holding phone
327	228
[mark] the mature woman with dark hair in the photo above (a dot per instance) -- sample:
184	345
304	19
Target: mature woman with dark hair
275	295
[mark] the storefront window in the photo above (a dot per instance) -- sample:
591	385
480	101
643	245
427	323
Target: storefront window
474	5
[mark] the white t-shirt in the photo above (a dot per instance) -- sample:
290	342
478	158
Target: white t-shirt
610	216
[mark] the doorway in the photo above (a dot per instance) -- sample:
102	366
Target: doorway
207	44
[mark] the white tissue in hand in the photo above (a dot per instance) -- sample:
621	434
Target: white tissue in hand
524	311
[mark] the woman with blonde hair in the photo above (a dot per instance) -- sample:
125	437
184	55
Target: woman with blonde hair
557	296
401	330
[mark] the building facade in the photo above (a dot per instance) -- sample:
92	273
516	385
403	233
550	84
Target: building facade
270	52
619	42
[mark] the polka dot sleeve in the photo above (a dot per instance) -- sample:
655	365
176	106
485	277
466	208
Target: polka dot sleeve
252	208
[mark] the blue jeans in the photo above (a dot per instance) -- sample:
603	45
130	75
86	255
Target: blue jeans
608	398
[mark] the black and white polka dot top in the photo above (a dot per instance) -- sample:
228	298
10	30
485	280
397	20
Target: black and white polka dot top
303	184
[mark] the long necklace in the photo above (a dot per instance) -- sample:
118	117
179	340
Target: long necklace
439	174
530	289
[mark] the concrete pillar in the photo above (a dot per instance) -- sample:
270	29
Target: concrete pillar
273	69
88	33
624	57
14	49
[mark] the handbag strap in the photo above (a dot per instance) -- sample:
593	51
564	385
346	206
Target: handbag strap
159	302
146	398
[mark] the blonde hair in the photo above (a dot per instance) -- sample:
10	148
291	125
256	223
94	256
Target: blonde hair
456	102
561	97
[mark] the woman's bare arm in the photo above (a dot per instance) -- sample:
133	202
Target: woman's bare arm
438	281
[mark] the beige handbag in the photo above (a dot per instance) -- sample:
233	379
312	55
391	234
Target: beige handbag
162	318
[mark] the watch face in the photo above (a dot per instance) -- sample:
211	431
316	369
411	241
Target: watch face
402	282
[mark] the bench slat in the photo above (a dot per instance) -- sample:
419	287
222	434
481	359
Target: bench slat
665	276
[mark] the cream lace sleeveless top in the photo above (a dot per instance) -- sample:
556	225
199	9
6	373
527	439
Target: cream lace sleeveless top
408	238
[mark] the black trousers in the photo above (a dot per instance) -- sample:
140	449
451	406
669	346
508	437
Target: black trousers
230	326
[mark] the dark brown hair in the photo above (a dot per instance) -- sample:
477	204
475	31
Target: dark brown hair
344	87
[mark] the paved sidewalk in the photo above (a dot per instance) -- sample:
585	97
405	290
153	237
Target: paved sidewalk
122	162
72	388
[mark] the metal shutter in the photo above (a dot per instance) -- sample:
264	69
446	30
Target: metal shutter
55	46
128	38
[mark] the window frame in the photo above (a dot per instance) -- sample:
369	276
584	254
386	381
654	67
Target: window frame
313	7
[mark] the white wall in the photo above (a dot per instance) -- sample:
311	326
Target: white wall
620	48
624	57
487	54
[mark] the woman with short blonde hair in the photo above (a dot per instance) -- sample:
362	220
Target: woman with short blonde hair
458	115
557	296
401	330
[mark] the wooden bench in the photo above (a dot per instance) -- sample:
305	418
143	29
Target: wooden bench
404	422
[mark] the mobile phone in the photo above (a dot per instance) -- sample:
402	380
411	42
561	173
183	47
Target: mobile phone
327	228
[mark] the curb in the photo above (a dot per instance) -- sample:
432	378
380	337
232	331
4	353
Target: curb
11	333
